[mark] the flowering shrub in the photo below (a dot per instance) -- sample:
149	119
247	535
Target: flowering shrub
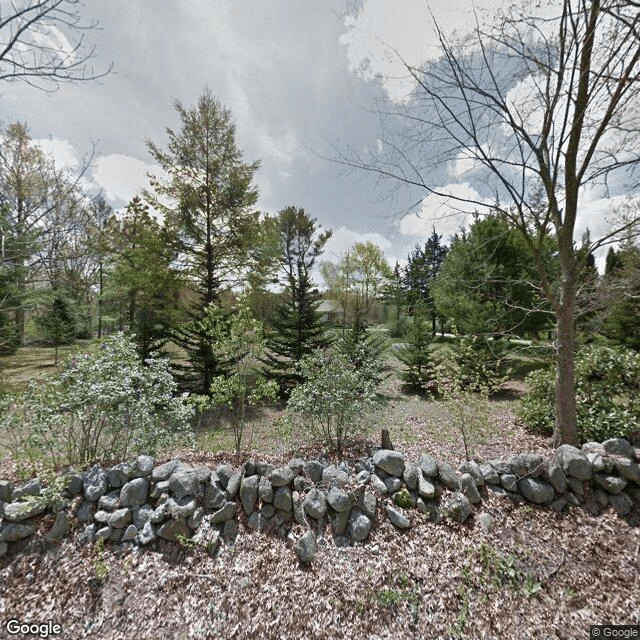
103	404
607	395
334	397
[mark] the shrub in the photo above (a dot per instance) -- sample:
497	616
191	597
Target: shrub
103	404
334	397
479	364
607	395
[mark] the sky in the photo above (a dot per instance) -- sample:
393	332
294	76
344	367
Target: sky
298	77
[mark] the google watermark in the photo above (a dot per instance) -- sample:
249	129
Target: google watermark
614	631
46	629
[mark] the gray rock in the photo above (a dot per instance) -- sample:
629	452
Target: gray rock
86	511
265	490
268	511
214	498
119	518
73	484
297	466
298	508
517	466
339	521
367	504
458	507
195	519
397	519
306	548
501	466
130	533
102	517
281	476
498	490
428	509
264	468
172	529
621	503
94	483
13	531
359	526
573	462
486	522
573	499
636	454
141	515
250	468
159	514
338	500
392	484
628	469
256	521
300	483
181	508
119	474
601	497
19	511
489	474
135	493
233	485
559	505
313	470
534	465
577	486
378	484
557	478
164	471
391	462
473	469
410	475
6	489
147	535
334	476
159	489
225	513
425	488
109	501
224	471
282	499
315	503
30	488
448	476
60	528
469	488
183	482
363	476
3	548
598	463
104	533
249	493
508	481
230	530
428	465
611	484
619	447
535	490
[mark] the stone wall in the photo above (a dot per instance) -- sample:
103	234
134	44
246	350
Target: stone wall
138	502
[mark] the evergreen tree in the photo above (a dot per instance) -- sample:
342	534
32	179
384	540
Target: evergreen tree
59	323
211	199
423	265
297	329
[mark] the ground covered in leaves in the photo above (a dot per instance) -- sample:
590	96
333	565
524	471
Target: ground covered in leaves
536	575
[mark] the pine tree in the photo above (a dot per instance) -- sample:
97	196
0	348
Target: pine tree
297	329
211	199
59	323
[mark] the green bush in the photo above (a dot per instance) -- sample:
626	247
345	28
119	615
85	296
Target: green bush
479	364
607	395
421	366
103	405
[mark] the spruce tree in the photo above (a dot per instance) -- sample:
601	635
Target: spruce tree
297	329
59	323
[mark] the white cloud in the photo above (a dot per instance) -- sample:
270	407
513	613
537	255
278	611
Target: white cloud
343	239
62	152
123	177
466	162
447	214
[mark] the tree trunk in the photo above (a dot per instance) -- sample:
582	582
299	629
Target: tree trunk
565	393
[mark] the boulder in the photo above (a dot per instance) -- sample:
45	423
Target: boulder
535	490
164	471
489	474
264	468
147	535
619	447
573	462
257	521
143	466
119	518
428	465
391	462
338	500
233	486
134	493
306	548
448	476
469	488
60	528
611	484
486	522
13	531
194	520
214	498
249	493
172	529
109	501
6	489
130	533
621	503
282	499
378	484
473	469
94	483
281	476
224	471
532	464
30	488
225	513
19	511
367	504
183	482
313	470
119	474
557	478
425	488
392	484
628	469
181	508
265	490
508	481
315	503
334	476
410	475
267	511
141	515
359	526
396	518
458	507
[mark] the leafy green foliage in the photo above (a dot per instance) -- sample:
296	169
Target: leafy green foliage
103	404
334	398
607	394
240	343
479	363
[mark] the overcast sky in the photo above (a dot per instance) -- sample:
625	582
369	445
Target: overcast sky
298	75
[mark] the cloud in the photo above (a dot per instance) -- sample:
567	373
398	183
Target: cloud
62	152
123	177
447	214
343	239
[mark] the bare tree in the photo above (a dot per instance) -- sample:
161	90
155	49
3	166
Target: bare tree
42	43
546	96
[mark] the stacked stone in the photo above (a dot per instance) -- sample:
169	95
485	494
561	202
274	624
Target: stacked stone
138	502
